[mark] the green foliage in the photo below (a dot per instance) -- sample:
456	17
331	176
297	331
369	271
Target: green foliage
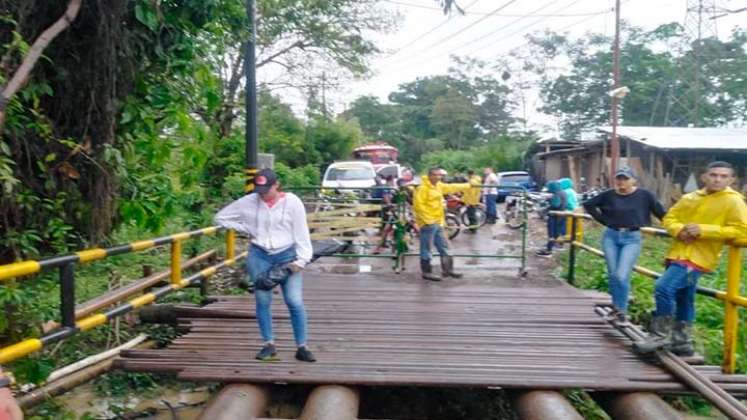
503	154
304	176
117	383
328	141
652	66
463	110
33	369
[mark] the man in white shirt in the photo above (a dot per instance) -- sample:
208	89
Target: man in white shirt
491	195
280	242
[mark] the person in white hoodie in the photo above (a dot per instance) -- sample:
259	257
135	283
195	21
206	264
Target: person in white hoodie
280	249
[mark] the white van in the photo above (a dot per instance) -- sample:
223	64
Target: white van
349	175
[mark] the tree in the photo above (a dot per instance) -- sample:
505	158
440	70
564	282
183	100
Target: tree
654	72
454	119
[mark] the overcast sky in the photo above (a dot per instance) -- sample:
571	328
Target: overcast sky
427	37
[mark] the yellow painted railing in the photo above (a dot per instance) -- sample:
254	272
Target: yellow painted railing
71	325
731	297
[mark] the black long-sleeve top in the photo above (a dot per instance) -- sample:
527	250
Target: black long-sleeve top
624	211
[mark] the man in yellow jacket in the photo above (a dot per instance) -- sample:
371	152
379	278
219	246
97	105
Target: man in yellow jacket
428	206
700	222
471	198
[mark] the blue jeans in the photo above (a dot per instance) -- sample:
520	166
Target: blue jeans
555	229
675	292
621	251
260	261
491	210
433	233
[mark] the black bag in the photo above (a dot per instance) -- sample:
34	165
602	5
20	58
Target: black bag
278	274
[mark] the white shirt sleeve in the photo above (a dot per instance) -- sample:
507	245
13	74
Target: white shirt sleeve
301	236
238	216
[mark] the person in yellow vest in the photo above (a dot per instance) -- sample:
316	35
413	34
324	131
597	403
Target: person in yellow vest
700	222
428	206
471	198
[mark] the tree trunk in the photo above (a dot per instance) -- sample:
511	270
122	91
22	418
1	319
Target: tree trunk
21	75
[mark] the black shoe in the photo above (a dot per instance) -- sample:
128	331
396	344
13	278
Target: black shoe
267	354
303	354
543	253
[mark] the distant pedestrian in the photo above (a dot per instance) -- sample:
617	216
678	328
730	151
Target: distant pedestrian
491	195
555	224
471	199
624	210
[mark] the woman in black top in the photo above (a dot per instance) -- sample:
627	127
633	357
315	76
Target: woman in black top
624	210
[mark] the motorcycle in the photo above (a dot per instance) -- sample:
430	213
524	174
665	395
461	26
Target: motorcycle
458	208
534	202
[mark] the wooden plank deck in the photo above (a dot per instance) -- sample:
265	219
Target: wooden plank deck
387	329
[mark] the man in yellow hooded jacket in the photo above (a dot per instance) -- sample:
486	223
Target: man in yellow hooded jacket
471	199
428	206
701	222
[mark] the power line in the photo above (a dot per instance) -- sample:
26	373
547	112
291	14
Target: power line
430	31
524	16
523	28
437	9
451	36
478	39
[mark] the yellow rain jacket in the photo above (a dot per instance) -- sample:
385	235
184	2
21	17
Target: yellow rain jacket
428	203
471	197
721	216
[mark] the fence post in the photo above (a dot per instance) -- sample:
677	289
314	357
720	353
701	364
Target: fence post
176	262
572	253
731	309
524	229
230	244
67	295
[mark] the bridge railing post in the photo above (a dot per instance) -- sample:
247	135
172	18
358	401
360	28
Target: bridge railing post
176	262
67	295
731	310
572	252
230	244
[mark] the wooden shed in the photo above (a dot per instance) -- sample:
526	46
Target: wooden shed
668	160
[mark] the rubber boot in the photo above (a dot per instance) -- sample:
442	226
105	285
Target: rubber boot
658	337
682	339
427	271
447	267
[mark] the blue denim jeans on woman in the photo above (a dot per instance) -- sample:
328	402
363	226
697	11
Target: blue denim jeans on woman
621	251
556	228
675	292
260	261
432	233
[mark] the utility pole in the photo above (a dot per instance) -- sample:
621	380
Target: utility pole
250	70
614	141
324	95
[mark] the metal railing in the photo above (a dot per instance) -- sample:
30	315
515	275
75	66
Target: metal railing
69	325
397	255
731	297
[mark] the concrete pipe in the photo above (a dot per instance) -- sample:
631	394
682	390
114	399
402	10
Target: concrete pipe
237	402
636	406
331	402
540	405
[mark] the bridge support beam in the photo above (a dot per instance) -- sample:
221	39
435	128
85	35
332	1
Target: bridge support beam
636	406
538	405
237	402
331	402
